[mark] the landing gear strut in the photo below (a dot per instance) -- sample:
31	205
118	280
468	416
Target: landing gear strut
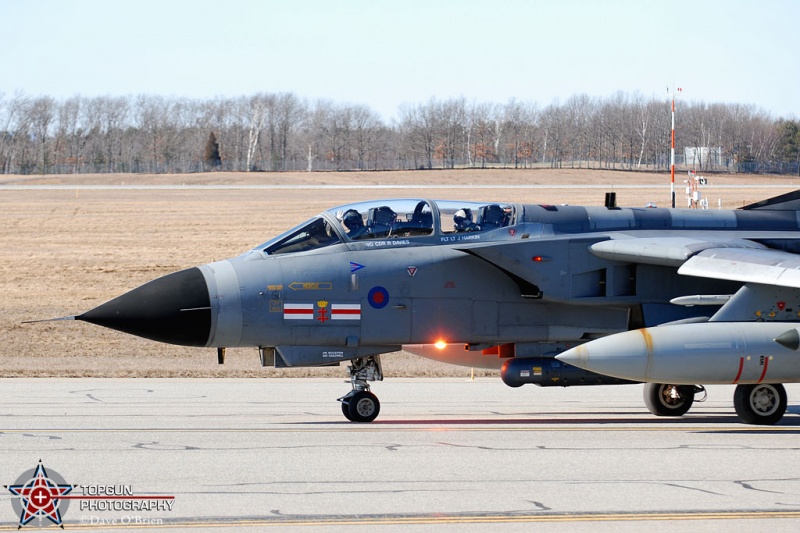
360	405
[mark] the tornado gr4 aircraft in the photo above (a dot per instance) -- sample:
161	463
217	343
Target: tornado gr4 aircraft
551	295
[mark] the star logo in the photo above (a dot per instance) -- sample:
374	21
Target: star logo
39	495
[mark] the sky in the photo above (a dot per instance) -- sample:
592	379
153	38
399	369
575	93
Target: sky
388	54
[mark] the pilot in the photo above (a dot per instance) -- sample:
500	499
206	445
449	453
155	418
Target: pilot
493	216
353	223
462	220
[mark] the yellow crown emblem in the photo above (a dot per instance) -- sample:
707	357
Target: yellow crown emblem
322	303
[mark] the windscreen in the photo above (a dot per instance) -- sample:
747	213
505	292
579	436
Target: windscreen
317	233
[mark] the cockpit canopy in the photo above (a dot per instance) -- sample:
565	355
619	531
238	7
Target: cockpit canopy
387	218
391	219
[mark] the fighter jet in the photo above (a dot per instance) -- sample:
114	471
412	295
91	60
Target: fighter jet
553	295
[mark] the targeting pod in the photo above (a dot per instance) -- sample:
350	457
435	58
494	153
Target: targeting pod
550	372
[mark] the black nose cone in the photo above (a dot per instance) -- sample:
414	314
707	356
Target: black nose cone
175	309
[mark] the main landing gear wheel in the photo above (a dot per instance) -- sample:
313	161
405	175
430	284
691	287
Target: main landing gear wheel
663	399
763	403
363	406
346	409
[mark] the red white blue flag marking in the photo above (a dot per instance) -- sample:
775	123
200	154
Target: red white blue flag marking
346	312
307	311
298	311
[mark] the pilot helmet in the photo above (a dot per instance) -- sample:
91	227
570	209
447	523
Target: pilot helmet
462	219
352	220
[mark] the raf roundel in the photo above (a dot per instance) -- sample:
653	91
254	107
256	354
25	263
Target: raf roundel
378	297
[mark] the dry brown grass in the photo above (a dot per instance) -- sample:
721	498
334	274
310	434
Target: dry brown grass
66	251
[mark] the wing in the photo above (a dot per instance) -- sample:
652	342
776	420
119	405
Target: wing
771	277
762	266
665	251
733	259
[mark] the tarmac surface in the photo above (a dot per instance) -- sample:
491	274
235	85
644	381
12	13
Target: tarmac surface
445	454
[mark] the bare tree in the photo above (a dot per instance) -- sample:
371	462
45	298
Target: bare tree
554	122
15	122
288	114
281	132
257	114
515	120
484	134
577	118
449	132
41	112
420	126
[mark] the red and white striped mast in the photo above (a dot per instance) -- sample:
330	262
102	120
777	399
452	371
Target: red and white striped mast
672	151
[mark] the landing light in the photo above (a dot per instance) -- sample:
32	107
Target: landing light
441	345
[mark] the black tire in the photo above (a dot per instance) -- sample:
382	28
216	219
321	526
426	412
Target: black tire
346	410
663	399
363	406
762	404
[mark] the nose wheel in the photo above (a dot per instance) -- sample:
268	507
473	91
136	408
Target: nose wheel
360	404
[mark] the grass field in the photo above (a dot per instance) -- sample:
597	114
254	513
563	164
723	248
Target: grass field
67	248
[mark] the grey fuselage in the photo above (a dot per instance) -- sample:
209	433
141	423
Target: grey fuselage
406	273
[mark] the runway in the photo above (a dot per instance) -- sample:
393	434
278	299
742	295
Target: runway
456	454
12	186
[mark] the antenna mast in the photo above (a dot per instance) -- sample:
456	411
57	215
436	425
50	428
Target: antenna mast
672	150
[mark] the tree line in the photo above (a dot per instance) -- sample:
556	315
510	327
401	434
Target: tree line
283	132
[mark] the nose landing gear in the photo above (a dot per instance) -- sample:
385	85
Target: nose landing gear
361	405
